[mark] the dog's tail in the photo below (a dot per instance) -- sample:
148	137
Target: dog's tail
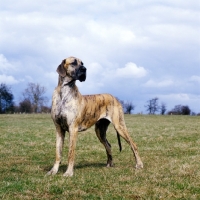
119	142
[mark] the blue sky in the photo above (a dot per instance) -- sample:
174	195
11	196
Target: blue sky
135	50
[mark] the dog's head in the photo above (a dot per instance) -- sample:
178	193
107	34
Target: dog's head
73	68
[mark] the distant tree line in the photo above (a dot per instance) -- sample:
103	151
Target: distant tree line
33	99
153	107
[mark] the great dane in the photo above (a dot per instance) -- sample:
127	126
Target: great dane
73	112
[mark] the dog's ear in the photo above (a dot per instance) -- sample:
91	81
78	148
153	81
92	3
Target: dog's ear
61	70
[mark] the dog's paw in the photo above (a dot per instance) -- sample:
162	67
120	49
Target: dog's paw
139	165
68	174
110	164
52	172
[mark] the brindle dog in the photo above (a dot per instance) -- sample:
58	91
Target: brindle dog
73	113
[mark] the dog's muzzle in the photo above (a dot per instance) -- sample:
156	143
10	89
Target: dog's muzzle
81	73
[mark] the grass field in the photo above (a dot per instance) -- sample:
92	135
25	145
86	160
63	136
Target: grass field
169	147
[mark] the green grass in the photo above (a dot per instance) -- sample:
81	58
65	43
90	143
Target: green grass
169	147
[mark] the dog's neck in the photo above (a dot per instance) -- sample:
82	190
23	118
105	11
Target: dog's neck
71	83
67	88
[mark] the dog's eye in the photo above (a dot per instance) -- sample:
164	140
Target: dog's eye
74	63
82	63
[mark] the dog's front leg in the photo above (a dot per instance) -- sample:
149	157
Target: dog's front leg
71	154
60	136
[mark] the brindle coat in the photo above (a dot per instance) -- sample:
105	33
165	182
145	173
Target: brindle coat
73	112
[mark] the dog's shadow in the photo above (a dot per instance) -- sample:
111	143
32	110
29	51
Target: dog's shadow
89	165
63	168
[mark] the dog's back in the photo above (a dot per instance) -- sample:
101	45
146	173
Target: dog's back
101	106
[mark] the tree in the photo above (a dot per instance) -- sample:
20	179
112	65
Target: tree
163	108
186	110
25	106
176	110
193	113
152	106
45	109
35	94
6	99
180	110
128	107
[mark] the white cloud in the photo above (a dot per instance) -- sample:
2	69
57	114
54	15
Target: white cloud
181	97
6	70
159	84
4	64
102	79
111	33
8	79
131	70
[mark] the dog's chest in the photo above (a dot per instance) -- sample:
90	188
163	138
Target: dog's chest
63	111
64	118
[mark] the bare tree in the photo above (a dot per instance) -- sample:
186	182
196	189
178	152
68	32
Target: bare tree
163	108
152	106
128	106
35	94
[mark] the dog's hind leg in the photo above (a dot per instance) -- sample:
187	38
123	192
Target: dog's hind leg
122	130
60	136
100	128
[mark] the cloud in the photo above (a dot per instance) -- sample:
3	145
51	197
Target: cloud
124	44
51	75
195	79
8	79
5	66
110	33
95	69
173	99
131	70
159	84
180	97
111	78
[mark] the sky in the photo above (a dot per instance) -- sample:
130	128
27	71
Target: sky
134	50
